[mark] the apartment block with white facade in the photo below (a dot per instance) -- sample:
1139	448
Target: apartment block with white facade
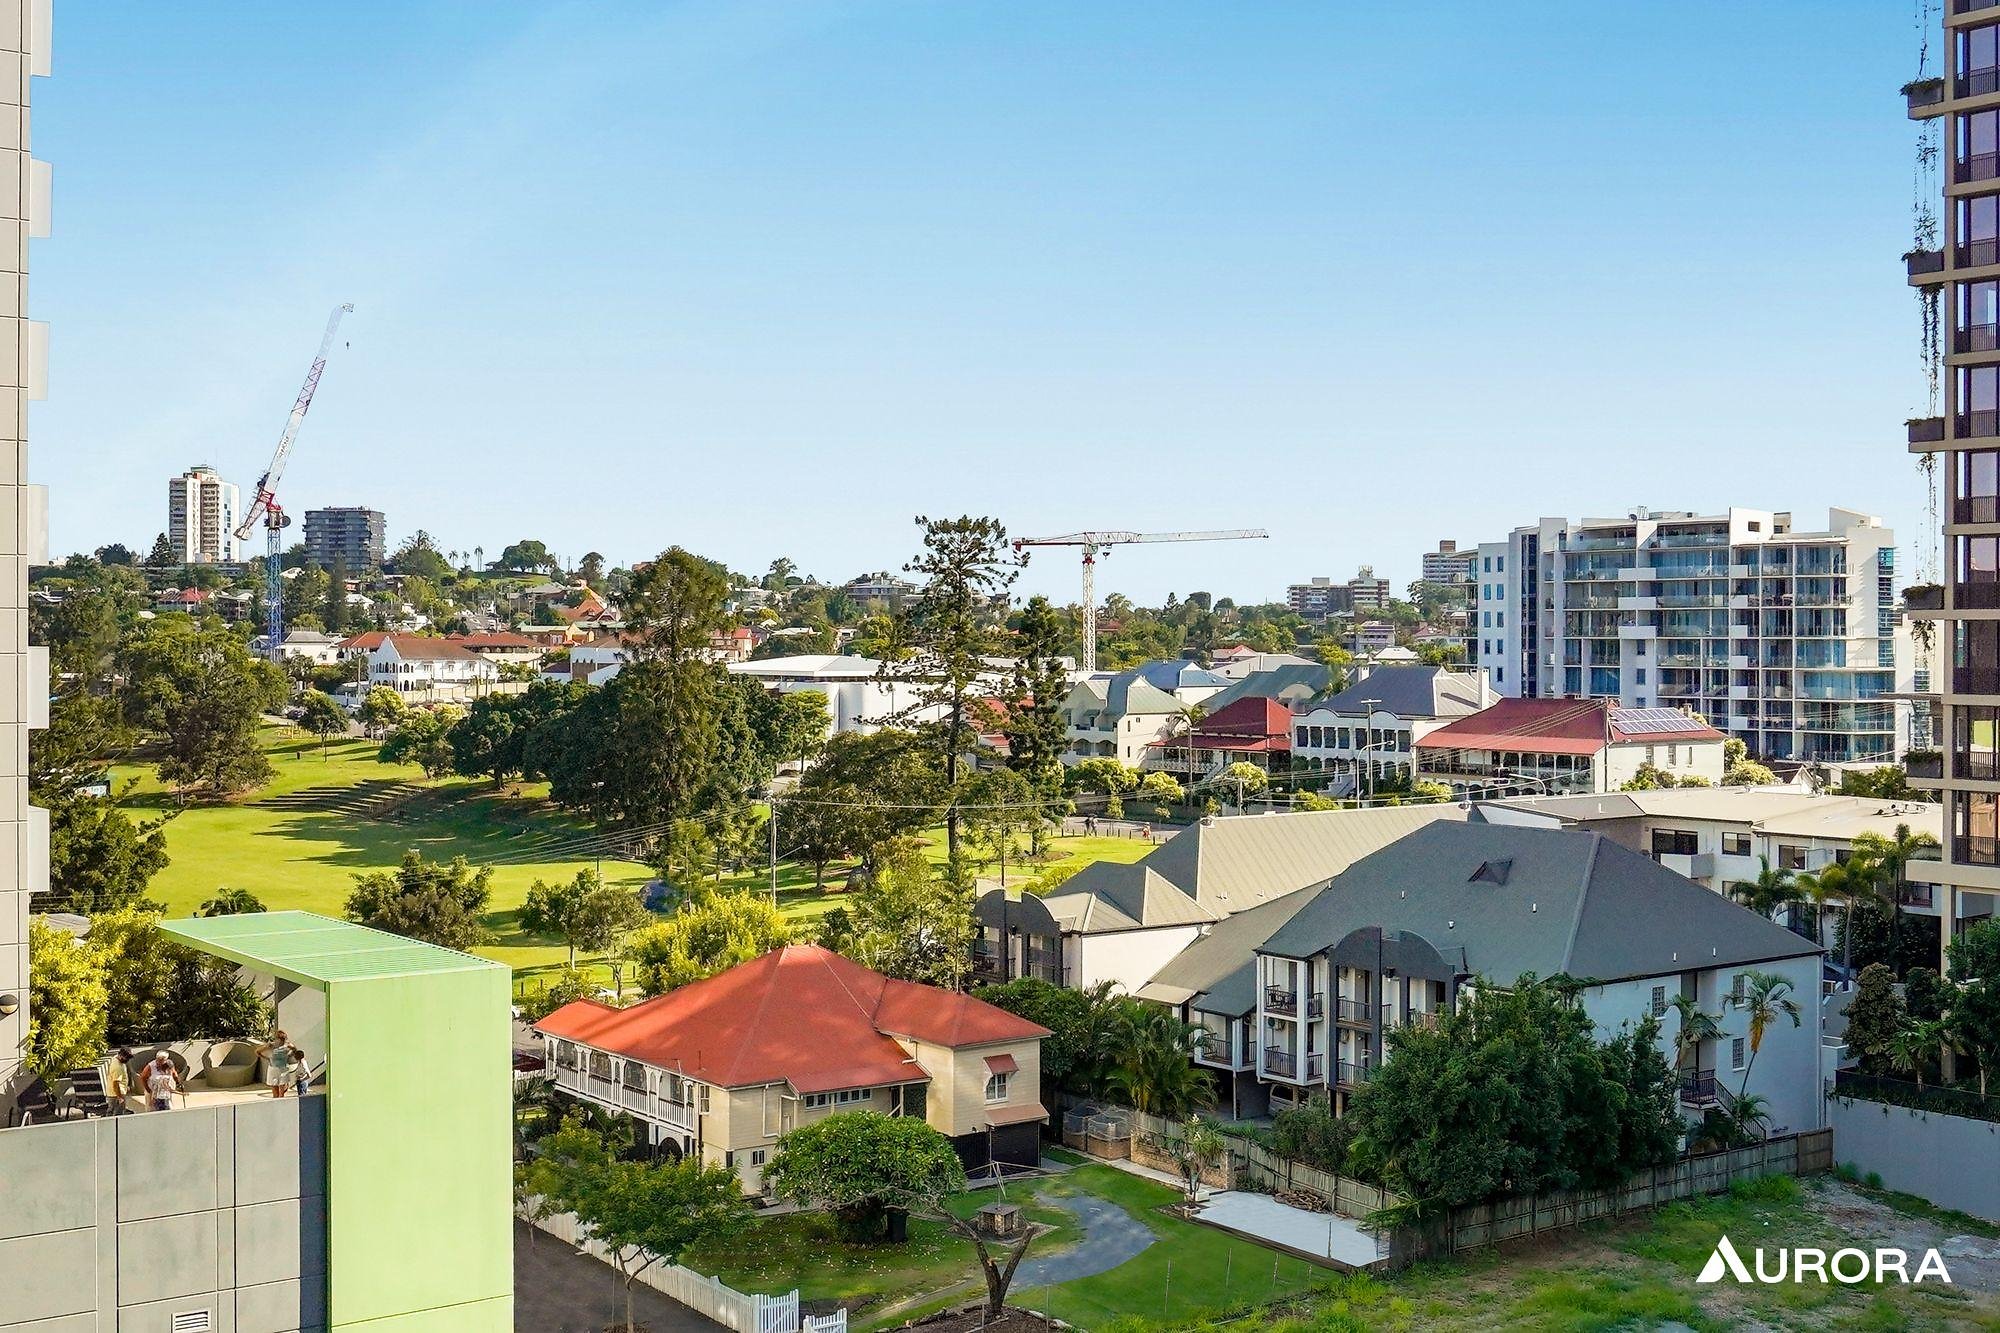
202	512
1792	642
1451	563
24	541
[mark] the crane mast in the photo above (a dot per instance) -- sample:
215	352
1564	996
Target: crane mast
1094	544
264	504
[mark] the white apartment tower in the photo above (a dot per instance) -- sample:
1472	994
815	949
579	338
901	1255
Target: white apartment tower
24	671
1792	642
201	516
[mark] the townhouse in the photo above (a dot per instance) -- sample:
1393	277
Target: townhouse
723	1068
1371	727
1127	715
1561	746
429	670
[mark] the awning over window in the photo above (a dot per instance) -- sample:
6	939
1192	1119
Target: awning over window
997	1116
1001	1064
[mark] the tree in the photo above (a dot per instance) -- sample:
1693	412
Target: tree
966	567
505	736
1308	1131
99	857
710	933
322	716
382	708
1772	889
1154	1070
1894	855
196	685
1000	806
1036	728
790	725
1748	773
67	1000
1874	1016
524	557
162	554
335	614
305	595
1917	1045
1194	1150
1082	1024
643	1213
1925	993
1246	780
584	912
911	922
159	990
1766	999
1889	782
230	902
1975	1004
436	901
422	738
865	792
591	570
861	1163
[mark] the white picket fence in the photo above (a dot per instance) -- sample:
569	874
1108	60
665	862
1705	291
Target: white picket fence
701	1293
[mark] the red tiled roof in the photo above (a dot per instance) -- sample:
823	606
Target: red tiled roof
366	642
1248	724
419	647
1550	726
801	1014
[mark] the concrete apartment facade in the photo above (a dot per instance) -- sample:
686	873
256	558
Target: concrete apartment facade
1450	563
1792	642
202	512
24	670
1965	692
379	1200
353	537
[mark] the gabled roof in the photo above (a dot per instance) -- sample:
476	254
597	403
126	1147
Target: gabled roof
801	1015
1564	726
1405	691
1508	900
1218	867
1207	967
1251	723
1176	674
366	642
1126	694
424	648
495	639
1293	681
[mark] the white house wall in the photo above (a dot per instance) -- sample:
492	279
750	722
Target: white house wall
1127	958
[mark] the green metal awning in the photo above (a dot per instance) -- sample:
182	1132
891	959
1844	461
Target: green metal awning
315	950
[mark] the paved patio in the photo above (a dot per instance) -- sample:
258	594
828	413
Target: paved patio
557	1290
1314	1235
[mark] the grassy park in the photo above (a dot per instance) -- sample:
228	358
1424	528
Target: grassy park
333	812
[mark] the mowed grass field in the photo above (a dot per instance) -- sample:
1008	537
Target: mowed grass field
334	812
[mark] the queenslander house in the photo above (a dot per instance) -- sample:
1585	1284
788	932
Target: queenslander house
724	1067
1299	994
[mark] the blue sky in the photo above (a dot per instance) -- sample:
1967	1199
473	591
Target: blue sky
771	279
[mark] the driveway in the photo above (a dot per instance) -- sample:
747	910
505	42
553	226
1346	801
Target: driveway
1110	1237
557	1290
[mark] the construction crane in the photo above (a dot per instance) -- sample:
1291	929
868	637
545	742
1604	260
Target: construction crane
264	507
1100	543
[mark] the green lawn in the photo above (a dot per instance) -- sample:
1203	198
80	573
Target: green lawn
331	813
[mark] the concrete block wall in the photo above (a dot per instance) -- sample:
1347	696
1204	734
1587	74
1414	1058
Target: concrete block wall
120	1225
1950	1160
24	212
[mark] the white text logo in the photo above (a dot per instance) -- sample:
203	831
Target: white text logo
1850	1267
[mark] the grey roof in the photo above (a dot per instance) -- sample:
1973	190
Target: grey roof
1174	675
1206	970
1127	693
1571	902
1406	691
1220	867
1285	682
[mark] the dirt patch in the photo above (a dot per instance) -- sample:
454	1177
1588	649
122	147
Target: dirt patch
972	1319
1974	1260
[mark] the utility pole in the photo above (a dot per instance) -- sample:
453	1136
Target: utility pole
773	822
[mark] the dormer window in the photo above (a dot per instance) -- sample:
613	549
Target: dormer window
1492	872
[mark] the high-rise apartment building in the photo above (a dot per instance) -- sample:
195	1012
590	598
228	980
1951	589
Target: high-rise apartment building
1964	686
1368	594
353	537
1449	564
1792	642
1318	598
201	517
24	830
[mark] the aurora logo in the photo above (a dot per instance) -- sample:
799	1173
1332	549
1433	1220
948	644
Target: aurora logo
1849	1267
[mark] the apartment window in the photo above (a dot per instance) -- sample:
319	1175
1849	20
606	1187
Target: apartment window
1675	842
1975	828
1979	572
1659	1000
1500	675
756	1157
1499	564
1736	844
1977	315
1975	657
1973	732
1979	230
1736	984
1499	620
1791	857
1978	497
565	1055
1979	146
1738	1048
996	1087
1978	61
600	1066
1978	399
845	1097
1489	565
635	1076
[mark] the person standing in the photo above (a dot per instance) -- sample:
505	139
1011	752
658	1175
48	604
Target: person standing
281	1063
161	1081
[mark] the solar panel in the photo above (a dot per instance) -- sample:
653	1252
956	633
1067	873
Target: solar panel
1651	721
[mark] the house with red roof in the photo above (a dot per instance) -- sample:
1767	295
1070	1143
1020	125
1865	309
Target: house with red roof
429	670
1564	746
722	1068
1249	730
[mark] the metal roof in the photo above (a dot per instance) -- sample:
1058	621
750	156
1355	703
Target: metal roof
1223	949
316	950
1405	691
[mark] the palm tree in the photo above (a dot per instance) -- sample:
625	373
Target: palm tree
1766	999
1894	855
1818	888
1749	1115
1154	1069
1773	888
1916	1044
1696	1027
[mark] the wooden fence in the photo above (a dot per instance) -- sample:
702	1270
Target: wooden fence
1529	1215
698	1292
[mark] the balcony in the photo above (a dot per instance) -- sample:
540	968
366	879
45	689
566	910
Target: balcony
1921	96
1280	1063
1920	764
1978	251
1974	509
1972	6
1923	265
1976	338
1359	1012
1701	1090
1352	1073
1977	596
1280	1001
1976	167
1926	430
1978	424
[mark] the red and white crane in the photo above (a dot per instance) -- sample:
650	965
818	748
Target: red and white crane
264	506
1100	543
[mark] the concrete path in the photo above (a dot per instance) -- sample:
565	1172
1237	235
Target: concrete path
1110	1237
557	1290
1261	1217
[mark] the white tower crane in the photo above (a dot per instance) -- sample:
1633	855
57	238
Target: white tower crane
264	505
1096	543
